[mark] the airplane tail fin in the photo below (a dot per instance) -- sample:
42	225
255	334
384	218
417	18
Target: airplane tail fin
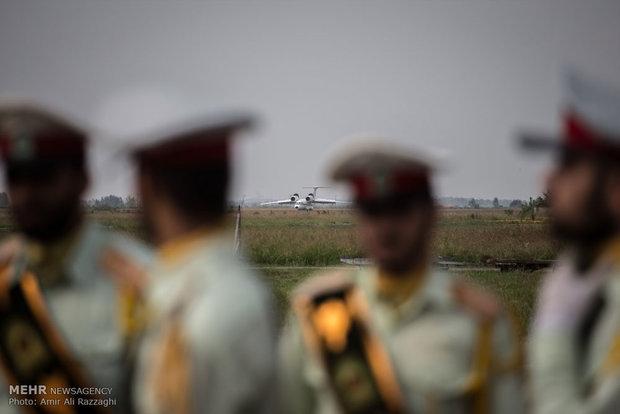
314	188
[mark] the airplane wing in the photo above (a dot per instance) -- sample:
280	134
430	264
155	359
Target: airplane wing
325	201
288	201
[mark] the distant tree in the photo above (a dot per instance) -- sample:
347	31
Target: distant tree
109	202
473	204
538	202
131	202
542	201
496	203
528	209
516	204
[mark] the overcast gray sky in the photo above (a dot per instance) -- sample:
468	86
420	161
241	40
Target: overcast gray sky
463	75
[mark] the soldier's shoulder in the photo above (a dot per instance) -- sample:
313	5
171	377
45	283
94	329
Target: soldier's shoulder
10	247
121	257
11	242
494	321
326	282
222	313
476	300
226	283
248	290
128	246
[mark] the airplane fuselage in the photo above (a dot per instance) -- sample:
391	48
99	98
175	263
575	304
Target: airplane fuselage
302	204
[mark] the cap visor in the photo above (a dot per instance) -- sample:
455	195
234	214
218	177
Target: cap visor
532	141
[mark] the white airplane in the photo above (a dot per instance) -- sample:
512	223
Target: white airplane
306	203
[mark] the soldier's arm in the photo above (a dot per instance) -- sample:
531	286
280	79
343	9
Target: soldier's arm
553	354
9	248
295	395
554	382
498	356
507	394
131	279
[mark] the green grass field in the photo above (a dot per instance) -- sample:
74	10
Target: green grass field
320	238
282	237
301	240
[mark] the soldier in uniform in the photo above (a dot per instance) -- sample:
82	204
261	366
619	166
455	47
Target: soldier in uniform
64	321
397	336
574	345
209	341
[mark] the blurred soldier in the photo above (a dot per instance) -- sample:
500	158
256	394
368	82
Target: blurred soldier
574	345
62	320
396	337
209	344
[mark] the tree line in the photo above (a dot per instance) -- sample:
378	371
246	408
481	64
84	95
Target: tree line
112	202
538	202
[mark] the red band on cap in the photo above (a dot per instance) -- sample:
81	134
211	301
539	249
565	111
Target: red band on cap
578	134
361	186
5	146
581	136
407	180
399	182
43	145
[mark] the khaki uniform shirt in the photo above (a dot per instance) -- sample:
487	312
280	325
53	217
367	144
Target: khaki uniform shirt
431	341
564	378
84	302
209	346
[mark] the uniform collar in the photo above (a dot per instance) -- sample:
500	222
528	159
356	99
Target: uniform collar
432	292
49	261
179	248
397	289
610	251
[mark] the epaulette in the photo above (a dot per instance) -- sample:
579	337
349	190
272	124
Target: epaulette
325	283
488	309
123	270
476	300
